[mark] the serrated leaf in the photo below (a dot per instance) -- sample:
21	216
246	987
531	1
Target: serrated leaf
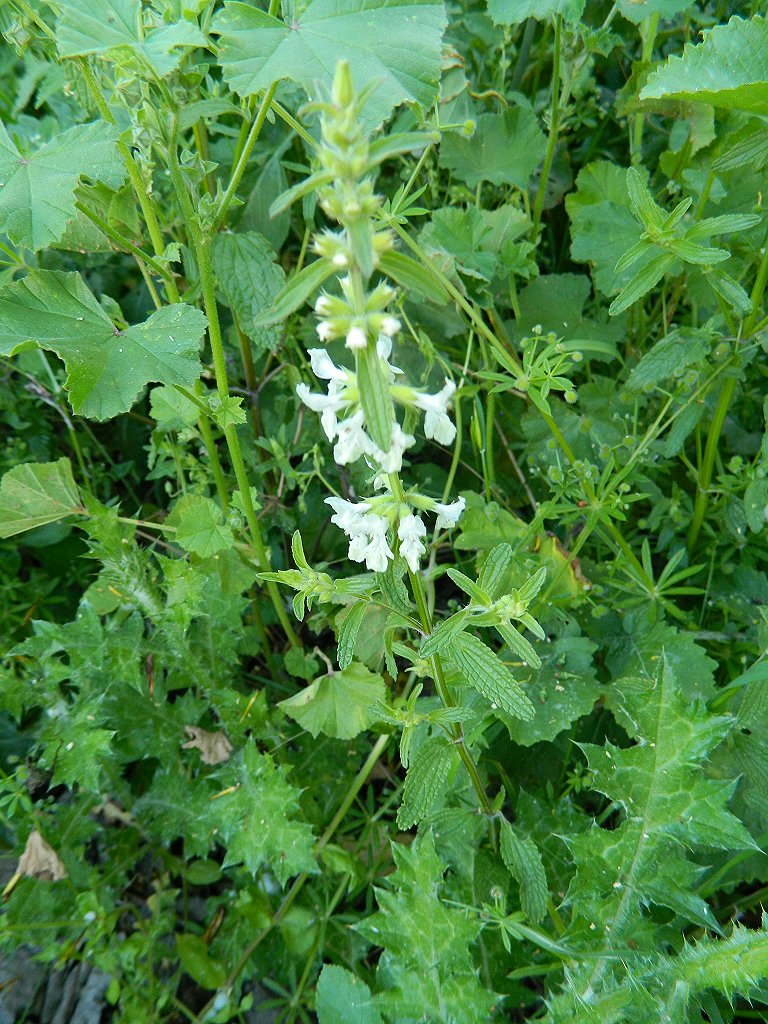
524	863
669	358
505	149
37	190
341	998
200	526
481	669
494	568
512	12
296	292
338	704
111	28
729	68
642	282
346	637
37	493
416	928
106	368
443	633
251	279
425	780
394	42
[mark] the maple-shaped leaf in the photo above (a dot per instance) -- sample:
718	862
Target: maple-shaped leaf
426	971
106	368
256	817
337	704
37	189
115	29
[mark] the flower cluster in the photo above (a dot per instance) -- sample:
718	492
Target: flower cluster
358	410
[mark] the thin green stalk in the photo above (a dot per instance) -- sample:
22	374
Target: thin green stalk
554	128
649	38
710	453
242	162
758	290
202	247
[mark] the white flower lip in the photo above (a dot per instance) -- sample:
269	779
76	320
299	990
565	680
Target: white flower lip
357	338
367	533
449	515
410	532
437	424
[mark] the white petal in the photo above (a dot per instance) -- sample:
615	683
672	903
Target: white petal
357	338
324	367
448	515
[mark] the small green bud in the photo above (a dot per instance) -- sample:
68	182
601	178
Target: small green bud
343	91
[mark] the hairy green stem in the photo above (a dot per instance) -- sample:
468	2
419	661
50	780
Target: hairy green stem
648	36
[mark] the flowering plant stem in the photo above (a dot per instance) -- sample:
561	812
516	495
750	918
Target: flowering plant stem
202	247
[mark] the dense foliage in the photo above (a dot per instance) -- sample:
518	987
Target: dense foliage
383	511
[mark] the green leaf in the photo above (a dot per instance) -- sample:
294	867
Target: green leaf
642	282
638	10
197	962
341	998
251	280
347	633
337	704
505	149
524	863
512	12
255	815
756	504
110	28
669	358
480	668
37	189
444	632
562	690
37	493
296	292
494	568
425	780
394	42
641	201
200	526
412	276
372	382
106	368
729	68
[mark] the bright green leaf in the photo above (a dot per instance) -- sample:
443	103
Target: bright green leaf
337	704
505	149
396	42
106	368
481	669
200	526
37	493
524	863
341	998
426	780
250	279
512	12
728	69
37	189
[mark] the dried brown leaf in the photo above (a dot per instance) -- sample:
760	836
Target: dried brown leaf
40	860
214	747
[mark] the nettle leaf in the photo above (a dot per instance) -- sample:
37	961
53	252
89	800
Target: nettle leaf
338	704
37	493
111	28
419	931
426	780
394	42
200	526
481	669
523	861
106	368
341	998
728	69
256	817
512	12
669	358
250	279
37	189
505	149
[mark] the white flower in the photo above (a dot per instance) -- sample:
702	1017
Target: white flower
367	532
325	331
357	338
410	531
448	515
327	405
340	259
352	440
324	367
384	351
323	305
390	325
392	461
437	423
348	515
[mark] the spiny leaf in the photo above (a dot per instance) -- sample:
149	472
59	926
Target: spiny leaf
394	42
728	69
425	781
37	493
106	368
37	190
